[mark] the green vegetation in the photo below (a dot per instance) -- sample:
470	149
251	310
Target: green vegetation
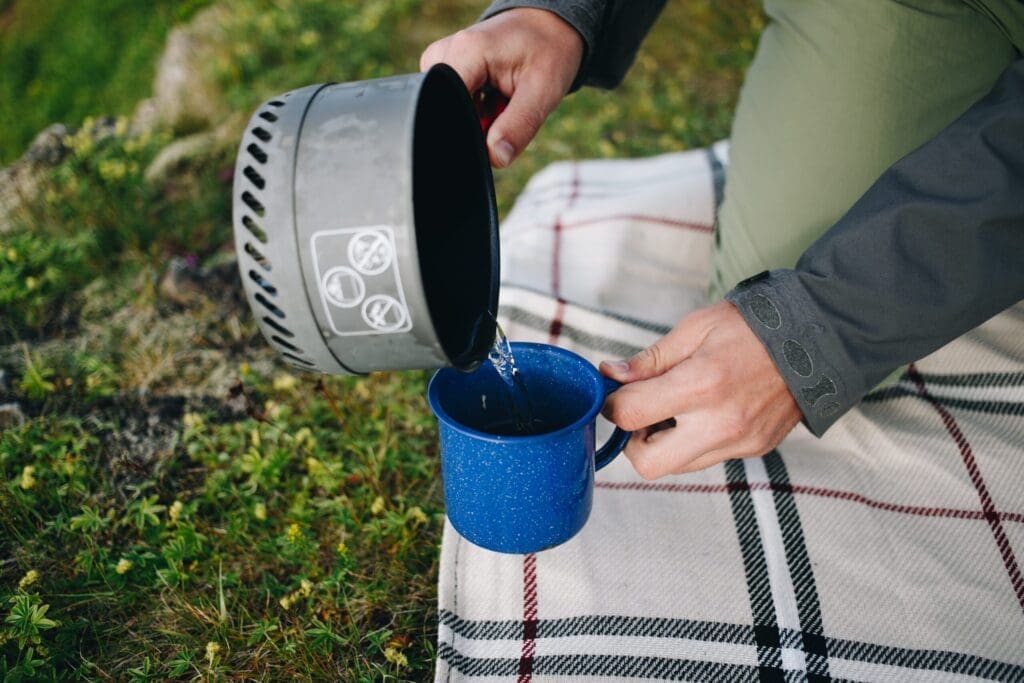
67	59
177	505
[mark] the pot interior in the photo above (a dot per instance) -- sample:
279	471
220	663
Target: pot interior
456	219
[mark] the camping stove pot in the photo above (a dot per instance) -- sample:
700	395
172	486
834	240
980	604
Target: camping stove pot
366	227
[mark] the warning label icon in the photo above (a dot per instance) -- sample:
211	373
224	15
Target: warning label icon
344	287
370	252
384	313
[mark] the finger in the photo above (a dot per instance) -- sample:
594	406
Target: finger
433	54
528	107
683	389
464	53
680	343
672	450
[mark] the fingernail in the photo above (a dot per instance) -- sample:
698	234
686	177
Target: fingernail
503	152
619	366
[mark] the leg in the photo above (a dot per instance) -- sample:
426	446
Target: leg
838	92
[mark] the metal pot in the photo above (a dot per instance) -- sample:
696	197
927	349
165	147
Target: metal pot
365	225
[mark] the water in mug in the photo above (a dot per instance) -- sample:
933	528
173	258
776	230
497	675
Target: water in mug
518	420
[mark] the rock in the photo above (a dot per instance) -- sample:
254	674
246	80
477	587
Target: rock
11	416
184	94
192	147
20	181
186	284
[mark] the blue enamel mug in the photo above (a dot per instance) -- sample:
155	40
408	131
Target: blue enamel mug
516	493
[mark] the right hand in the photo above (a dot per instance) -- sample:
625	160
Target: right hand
531	56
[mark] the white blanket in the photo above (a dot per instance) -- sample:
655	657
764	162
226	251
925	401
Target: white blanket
890	549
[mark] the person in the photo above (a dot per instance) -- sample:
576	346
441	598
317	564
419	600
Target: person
873	206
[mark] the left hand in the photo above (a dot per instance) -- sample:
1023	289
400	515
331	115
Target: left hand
715	378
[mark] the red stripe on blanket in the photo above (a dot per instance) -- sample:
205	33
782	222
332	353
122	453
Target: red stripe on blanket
529	619
987	505
671	222
556	250
555	328
851	496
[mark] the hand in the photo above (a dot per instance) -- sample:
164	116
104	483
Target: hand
531	56
715	378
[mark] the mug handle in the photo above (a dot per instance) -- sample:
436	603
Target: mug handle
619	438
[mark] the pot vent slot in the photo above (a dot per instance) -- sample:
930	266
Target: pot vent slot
300	361
253	203
285	344
276	103
254	177
278	326
262	134
269	306
256	255
255	229
268	116
267	287
256	152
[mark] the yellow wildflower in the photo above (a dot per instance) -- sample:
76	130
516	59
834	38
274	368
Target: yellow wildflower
394	656
271	409
304	437
417	515
285	602
28	479
120	126
259	511
285	382
30	283
254	437
31	576
212	649
112	169
294	533
378	506
244	369
174	512
309	38
12	254
123	566
192	420
341	548
306	588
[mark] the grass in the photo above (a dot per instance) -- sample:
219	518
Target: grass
178	505
67	59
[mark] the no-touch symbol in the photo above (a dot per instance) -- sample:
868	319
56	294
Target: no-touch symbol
384	313
370	252
343	287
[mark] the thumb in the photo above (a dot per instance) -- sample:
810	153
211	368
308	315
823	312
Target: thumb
676	346
527	109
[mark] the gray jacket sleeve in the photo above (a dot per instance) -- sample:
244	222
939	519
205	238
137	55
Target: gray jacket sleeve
612	31
934	248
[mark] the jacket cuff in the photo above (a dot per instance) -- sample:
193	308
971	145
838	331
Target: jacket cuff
809	354
583	17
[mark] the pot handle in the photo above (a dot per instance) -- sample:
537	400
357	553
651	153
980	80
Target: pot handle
489	103
619	438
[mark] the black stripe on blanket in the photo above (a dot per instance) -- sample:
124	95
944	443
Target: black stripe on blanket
978	406
804	586
592	341
766	627
545	323
974	379
719	632
662	668
600	625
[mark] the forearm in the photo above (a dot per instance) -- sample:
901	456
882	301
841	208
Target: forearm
612	31
933	249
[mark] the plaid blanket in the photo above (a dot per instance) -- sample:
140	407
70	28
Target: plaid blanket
890	549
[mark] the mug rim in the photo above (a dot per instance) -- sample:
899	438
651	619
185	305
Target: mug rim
442	415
